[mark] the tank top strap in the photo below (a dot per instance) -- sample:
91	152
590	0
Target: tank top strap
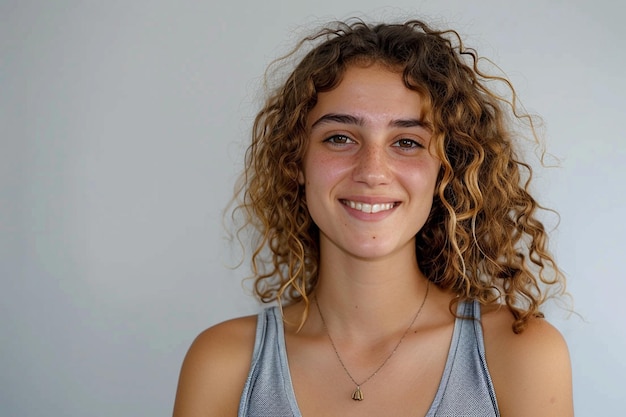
466	387
268	390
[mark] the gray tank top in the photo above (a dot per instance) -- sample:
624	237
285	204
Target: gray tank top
465	388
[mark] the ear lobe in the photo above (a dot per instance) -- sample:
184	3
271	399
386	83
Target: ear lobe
300	177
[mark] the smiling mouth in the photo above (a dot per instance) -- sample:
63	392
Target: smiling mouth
369	208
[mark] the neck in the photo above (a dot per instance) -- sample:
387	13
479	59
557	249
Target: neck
359	297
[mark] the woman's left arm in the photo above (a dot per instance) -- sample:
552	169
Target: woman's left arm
531	371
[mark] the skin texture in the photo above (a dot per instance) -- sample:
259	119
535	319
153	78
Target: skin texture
370	282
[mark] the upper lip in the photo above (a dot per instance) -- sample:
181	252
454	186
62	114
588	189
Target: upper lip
370	200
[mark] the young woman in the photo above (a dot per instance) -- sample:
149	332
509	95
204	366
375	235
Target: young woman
399	240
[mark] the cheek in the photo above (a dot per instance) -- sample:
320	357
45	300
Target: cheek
319	181
321	177
421	174
322	171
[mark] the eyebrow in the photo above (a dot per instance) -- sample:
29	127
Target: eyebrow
349	119
345	119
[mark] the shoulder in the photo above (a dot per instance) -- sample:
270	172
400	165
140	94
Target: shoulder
215	369
531	371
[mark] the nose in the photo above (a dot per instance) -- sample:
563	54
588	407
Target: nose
372	166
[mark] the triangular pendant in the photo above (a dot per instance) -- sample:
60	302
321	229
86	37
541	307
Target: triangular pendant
357	395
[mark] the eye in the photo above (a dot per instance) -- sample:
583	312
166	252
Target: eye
339	140
408	144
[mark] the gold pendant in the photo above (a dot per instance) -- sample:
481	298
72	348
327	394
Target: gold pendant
357	395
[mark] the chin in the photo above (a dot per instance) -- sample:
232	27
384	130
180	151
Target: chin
376	252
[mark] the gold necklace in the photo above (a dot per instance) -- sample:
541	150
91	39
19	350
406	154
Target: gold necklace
357	395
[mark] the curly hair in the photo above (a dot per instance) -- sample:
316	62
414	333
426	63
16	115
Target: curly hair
483	239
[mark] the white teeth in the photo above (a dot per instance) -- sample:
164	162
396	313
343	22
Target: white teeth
369	208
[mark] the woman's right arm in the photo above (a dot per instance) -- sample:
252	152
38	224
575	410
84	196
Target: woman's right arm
215	369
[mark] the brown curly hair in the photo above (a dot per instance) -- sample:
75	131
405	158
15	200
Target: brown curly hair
483	239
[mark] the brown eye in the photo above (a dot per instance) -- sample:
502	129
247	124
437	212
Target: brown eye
339	140
408	144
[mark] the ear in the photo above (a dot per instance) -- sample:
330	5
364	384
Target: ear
300	177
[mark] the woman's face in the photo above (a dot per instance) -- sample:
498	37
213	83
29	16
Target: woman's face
368	174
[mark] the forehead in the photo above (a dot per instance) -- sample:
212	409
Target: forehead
373	92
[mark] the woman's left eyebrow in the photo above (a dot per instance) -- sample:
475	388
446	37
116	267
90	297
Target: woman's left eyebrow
410	123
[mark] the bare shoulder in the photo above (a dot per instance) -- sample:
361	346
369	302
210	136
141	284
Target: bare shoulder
531	371
215	369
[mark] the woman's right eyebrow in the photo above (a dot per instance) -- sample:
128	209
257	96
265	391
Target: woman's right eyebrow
346	119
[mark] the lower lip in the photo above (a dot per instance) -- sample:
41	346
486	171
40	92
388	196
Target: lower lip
361	215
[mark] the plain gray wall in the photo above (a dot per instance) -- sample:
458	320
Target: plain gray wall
122	128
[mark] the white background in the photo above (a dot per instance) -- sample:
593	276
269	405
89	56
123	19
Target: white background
122	125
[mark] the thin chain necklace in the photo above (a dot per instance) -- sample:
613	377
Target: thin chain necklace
357	395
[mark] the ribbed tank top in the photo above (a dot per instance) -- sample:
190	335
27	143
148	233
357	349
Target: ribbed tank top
465	388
